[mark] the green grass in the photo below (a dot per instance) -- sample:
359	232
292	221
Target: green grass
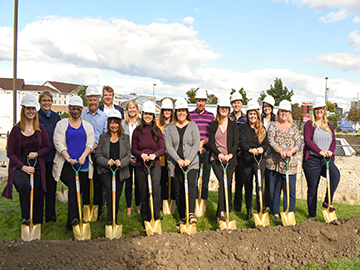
10	222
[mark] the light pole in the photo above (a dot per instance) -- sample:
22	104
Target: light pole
326	89
154	89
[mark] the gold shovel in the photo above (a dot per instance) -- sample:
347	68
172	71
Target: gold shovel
287	218
328	215
188	228
261	219
82	230
152	226
200	205
226	225
91	211
31	231
113	231
169	205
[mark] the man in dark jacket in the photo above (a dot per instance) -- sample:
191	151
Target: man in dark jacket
108	98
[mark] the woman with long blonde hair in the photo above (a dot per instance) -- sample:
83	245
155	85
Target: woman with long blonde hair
320	143
254	143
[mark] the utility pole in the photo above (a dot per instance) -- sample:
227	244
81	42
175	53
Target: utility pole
15	60
326	90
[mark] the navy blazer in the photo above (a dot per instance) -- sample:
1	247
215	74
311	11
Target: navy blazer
117	107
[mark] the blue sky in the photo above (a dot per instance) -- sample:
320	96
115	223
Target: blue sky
216	45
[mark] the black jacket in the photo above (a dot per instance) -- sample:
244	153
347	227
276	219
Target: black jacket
249	139
117	107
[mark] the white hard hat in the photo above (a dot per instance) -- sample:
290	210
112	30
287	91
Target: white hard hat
181	103
285	105
29	100
269	100
92	90
149	107
167	104
223	101
252	105
201	94
114	114
76	101
236	96
319	102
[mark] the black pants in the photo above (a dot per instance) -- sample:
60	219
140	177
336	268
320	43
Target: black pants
313	167
141	174
179	190
22	185
239	184
129	186
50	195
267	197
106	180
249	169
98	194
165	185
219	172
68	178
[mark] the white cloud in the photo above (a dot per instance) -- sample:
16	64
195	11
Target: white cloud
354	40
335	16
189	20
337	41
164	51
161	20
317	5
6	43
343	61
356	19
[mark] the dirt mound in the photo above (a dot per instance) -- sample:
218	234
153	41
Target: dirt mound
258	248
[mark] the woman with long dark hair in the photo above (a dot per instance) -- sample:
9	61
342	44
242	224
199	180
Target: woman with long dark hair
147	146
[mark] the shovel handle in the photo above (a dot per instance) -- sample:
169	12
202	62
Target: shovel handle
224	167
287	162
28	161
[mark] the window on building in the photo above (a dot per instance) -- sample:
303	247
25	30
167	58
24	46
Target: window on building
64	101
54	101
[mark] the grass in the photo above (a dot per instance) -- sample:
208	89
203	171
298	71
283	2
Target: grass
10	220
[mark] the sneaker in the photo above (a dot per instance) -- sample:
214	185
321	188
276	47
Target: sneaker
26	222
181	221
266	210
276	218
192	219
75	222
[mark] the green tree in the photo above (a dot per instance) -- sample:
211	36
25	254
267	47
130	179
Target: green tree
242	92
82	93
278	92
211	99
296	111
64	115
330	106
354	115
191	95
334	120
262	96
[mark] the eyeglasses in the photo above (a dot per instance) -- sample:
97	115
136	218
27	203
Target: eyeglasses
46	100
267	106
75	109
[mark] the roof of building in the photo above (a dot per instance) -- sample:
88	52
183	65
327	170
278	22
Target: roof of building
7	83
62	87
31	87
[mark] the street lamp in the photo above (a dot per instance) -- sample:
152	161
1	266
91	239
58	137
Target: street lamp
154	89
326	89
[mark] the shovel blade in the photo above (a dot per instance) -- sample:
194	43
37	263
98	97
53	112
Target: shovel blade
29	234
113	231
228	225
288	218
166	207
82	231
152	227
188	228
329	215
200	207
63	196
261	219
172	206
91	213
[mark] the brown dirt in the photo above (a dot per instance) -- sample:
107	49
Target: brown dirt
257	248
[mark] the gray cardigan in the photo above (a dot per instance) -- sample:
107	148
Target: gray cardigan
102	155
191	144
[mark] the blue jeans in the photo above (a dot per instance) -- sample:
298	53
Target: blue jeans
277	183
206	175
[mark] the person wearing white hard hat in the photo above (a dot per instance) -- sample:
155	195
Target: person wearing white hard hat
223	145
132	120
113	150
28	143
49	119
147	146
320	143
74	140
203	119
182	142
98	120
108	99
239	117
254	143
166	118
285	142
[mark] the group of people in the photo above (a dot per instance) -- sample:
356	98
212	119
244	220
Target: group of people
100	137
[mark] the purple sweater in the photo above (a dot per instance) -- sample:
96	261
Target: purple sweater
144	143
309	130
14	152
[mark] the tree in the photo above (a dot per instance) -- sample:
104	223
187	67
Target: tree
64	115
330	106
242	92
262	96
191	95
212	99
82	93
278	92
297	112
354	115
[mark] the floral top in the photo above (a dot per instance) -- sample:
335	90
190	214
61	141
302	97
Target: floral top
288	139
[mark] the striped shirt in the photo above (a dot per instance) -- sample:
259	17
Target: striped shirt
203	122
